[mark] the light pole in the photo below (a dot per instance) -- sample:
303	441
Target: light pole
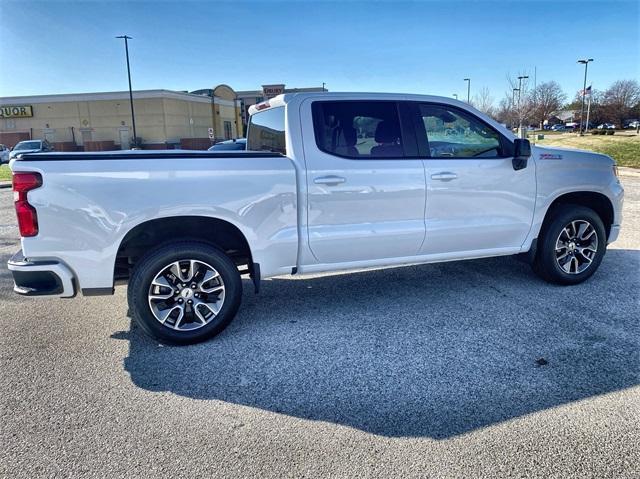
468	80
520	78
585	62
133	116
513	99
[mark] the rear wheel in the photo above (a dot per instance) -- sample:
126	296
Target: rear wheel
571	246
184	292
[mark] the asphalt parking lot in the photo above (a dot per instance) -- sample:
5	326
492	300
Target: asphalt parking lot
425	371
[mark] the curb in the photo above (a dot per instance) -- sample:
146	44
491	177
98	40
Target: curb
5	184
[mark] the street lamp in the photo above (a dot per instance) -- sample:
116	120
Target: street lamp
133	116
468	80
520	78
586	64
513	98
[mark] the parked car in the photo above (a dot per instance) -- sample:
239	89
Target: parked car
632	124
606	126
230	145
558	127
4	154
30	146
329	182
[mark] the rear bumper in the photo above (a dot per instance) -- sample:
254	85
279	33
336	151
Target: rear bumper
41	278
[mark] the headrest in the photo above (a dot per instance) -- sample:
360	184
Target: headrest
386	132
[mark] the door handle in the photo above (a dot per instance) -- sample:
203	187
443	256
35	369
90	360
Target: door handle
444	176
329	180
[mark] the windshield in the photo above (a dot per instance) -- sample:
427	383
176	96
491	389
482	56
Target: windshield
28	145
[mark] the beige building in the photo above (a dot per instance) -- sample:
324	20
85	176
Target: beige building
102	121
251	97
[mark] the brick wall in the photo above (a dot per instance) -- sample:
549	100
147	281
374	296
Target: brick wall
157	146
104	145
65	146
13	138
195	143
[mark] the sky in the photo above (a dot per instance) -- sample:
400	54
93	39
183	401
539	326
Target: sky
418	47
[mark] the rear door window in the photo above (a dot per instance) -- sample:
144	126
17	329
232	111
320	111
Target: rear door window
266	131
358	129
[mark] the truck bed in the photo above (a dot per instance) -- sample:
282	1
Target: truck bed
88	202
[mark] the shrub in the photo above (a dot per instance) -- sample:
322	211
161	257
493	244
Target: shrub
610	132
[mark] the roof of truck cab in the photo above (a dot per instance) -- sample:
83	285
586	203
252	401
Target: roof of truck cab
301	96
291	99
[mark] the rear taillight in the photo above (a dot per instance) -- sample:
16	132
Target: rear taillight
27	216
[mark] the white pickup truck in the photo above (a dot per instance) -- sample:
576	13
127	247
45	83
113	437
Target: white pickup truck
329	181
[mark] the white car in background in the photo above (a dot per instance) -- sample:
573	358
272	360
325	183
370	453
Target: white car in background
30	146
4	154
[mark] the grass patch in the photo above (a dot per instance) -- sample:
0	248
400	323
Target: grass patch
5	173
623	147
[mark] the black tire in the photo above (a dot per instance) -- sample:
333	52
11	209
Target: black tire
545	264
154	262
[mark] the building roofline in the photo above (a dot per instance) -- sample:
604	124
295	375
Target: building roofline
313	89
113	95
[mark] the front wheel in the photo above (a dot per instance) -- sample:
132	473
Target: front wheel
571	246
184	292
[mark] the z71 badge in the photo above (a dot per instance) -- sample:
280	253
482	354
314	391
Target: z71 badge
550	156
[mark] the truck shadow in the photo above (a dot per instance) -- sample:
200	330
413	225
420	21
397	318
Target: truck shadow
424	351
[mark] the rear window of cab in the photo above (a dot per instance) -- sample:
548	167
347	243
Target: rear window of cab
266	131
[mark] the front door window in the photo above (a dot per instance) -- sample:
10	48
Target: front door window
452	133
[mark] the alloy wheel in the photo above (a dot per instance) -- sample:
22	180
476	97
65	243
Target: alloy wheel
576	247
186	295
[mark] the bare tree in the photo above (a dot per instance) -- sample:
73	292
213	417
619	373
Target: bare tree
521	95
620	99
483	101
546	99
516	106
506	111
595	104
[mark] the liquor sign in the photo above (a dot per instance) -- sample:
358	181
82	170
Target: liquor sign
269	91
16	111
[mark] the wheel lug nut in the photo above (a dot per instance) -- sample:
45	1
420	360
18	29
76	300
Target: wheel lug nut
193	286
181	301
190	302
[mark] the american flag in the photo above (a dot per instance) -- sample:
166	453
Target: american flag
586	92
